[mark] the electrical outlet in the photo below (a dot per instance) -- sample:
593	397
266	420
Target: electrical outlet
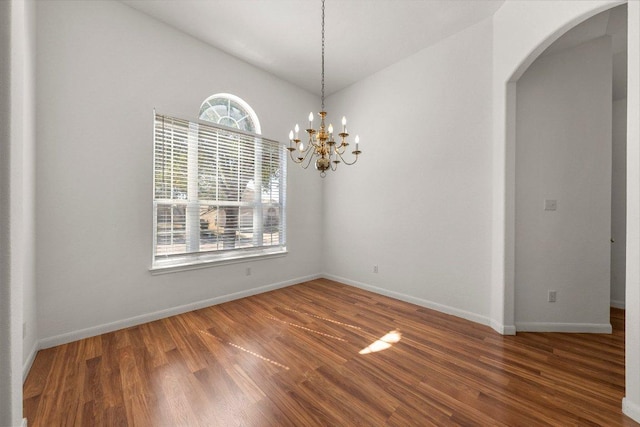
550	205
552	296
375	268
248	271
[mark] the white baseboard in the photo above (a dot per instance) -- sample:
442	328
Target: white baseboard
26	367
587	328
617	304
630	409
24	422
503	329
161	314
414	300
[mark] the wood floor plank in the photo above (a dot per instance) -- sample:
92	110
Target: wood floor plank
319	354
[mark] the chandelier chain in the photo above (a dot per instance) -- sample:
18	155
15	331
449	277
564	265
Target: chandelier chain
322	55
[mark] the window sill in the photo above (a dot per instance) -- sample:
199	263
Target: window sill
205	261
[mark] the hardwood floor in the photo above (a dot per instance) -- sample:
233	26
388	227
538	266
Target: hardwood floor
291	357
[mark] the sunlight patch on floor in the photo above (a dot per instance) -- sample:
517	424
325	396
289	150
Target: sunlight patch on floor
321	318
259	356
383	343
306	329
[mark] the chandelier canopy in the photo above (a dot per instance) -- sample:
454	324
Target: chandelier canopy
322	145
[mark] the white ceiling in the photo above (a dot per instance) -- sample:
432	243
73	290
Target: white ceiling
283	36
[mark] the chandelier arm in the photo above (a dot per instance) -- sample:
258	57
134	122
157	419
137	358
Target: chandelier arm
308	157
345	162
295	159
305	152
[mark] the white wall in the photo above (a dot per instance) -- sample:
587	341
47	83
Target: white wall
10	305
101	69
619	202
28	117
17	291
418	203
631	402
563	153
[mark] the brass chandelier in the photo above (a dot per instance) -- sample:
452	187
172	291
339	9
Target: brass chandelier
321	146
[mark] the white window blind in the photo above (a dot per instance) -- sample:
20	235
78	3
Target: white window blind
218	193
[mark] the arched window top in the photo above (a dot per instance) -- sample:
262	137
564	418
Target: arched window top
229	110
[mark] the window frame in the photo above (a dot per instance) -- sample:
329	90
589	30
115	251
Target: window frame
191	259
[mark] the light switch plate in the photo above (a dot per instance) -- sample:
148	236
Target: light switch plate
550	205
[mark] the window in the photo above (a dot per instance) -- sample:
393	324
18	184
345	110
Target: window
219	188
231	111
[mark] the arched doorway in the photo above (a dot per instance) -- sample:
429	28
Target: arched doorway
535	26
563	170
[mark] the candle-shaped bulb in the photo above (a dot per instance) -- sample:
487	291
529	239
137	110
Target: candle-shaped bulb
344	121
357	141
311	116
301	146
297	129
330	129
290	135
